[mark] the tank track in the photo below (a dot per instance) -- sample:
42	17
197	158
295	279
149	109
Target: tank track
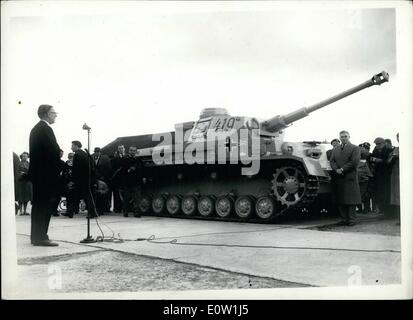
308	197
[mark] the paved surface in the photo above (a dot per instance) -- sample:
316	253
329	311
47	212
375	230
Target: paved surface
181	254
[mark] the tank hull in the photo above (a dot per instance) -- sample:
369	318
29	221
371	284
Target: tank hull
283	187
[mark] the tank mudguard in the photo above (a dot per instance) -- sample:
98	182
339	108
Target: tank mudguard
312	166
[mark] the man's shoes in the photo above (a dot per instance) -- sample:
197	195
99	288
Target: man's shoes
125	215
55	214
137	215
44	243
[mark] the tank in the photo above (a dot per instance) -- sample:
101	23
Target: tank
225	167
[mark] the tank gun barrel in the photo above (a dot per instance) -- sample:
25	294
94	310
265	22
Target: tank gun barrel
280	122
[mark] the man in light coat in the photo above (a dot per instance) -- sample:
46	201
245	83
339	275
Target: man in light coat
344	162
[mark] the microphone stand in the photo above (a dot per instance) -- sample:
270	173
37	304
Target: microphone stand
89	238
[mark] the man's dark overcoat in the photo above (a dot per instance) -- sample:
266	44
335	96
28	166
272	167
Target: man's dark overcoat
347	185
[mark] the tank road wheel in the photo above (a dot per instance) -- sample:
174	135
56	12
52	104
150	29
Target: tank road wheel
206	206
224	206
265	208
145	204
173	204
188	205
289	185
158	203
244	206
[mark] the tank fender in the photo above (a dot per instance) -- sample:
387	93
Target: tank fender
311	166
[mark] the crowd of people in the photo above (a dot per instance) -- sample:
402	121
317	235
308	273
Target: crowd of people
99	178
378	188
118	175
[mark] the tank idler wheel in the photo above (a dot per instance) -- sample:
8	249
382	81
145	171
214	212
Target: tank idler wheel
265	208
145	204
244	206
173	204
188	205
158	204
224	206
206	206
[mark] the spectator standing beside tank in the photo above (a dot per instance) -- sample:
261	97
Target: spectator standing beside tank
344	162
364	176
116	179
334	143
381	175
131	172
24	186
393	162
388	144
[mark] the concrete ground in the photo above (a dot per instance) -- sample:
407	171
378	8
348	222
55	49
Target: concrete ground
153	253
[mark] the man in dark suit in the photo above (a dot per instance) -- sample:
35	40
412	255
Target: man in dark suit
44	175
344	162
382	174
116	182
83	177
131	172
103	174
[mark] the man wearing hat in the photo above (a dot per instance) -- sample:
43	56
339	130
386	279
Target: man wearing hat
334	143
364	175
344	162
381	174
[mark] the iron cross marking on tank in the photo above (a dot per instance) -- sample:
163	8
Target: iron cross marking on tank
229	145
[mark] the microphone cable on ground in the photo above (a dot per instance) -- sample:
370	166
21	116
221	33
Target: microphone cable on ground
152	239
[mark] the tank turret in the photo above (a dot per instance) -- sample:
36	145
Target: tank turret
280	122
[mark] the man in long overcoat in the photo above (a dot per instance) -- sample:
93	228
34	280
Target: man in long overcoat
44	175
344	162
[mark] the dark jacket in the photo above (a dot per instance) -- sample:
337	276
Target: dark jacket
116	163
16	163
347	186
103	167
131	171
44	161
81	171
381	167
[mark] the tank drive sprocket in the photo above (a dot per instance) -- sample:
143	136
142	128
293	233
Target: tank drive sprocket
292	187
289	185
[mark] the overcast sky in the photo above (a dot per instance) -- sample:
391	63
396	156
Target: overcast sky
143	67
